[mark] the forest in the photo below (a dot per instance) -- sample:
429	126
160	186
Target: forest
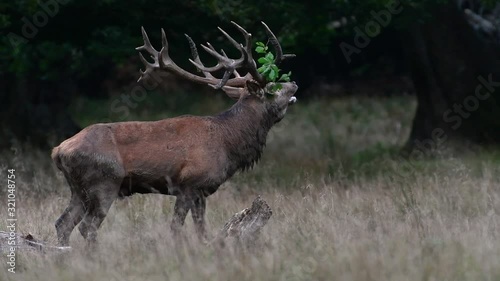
385	166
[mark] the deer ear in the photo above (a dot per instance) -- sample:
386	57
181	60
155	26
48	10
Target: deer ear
254	88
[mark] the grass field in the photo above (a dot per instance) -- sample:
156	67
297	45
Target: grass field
342	209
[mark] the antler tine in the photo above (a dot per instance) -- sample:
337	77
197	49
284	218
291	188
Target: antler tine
247	51
164	57
224	62
276	45
153	53
147	44
214	53
149	67
235	72
196	57
225	78
246	34
231	39
192	47
197	62
224	53
211	50
164	42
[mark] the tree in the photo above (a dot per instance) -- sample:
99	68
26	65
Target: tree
44	65
55	50
456	74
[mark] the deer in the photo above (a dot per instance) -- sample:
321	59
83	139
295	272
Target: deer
188	157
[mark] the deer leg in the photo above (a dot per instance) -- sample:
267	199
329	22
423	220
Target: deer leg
71	216
198	215
97	209
181	208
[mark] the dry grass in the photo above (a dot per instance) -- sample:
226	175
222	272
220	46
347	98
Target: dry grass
341	211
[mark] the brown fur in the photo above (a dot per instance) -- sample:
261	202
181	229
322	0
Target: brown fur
188	157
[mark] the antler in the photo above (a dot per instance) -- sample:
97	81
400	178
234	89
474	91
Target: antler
232	86
276	45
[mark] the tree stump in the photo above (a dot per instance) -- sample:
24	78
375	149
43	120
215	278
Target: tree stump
244	227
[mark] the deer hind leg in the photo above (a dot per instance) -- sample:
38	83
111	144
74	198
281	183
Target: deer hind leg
100	198
198	214
71	216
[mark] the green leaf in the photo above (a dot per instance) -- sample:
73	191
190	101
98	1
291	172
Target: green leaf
285	77
275	68
264	69
270	57
268	68
262	60
272	75
261	48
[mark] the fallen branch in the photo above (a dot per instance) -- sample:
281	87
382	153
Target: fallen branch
26	242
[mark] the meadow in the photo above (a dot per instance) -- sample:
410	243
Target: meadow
341	208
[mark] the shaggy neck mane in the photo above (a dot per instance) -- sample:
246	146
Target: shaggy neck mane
246	127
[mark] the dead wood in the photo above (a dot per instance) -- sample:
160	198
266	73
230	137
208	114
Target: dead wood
25	242
244	227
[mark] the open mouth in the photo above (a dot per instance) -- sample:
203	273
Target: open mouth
292	100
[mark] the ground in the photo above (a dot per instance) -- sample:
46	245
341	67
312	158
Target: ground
345	207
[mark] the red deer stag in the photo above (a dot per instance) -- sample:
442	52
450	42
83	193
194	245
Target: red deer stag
188	156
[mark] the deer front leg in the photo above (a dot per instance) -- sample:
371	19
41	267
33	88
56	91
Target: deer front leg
198	214
181	208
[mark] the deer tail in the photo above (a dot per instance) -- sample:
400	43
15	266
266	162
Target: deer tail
56	157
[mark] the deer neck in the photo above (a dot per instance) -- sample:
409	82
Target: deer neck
246	125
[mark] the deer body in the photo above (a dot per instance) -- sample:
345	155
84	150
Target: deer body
199	152
188	157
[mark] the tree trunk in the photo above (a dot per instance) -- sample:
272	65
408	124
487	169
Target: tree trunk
450	67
